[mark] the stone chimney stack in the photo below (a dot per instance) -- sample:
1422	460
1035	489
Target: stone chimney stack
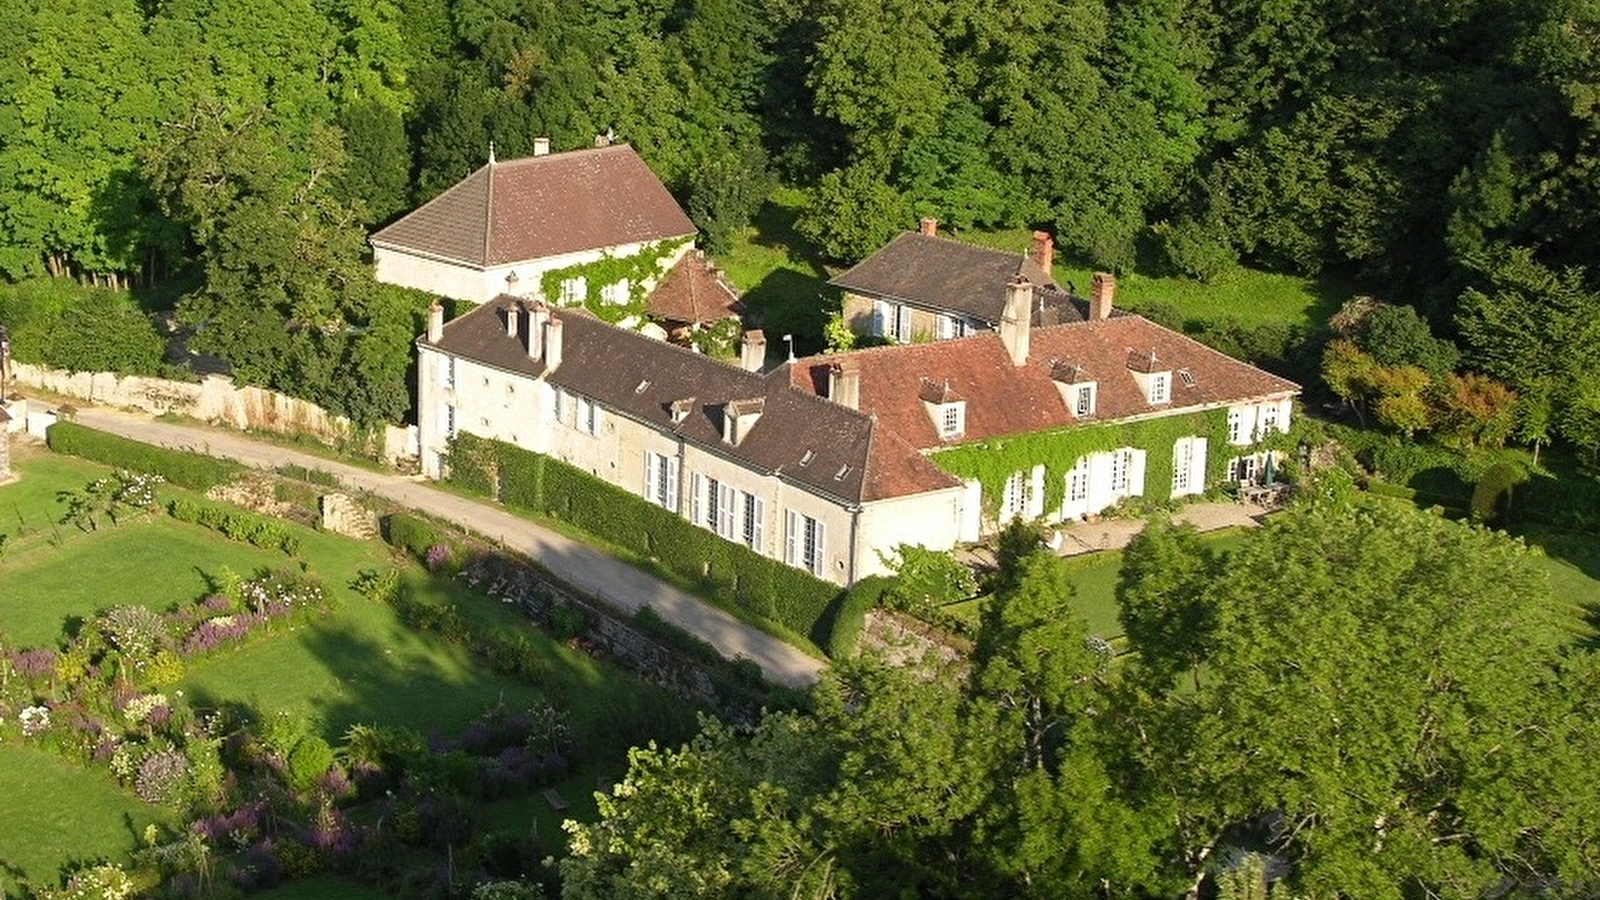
541	146
1016	318
435	322
844	383
538	315
1043	252
512	312
1102	291
753	350
552	344
929	226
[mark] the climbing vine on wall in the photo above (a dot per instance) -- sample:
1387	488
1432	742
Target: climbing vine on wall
991	462
641	270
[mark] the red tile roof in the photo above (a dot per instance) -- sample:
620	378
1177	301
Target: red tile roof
695	292
540	206
1003	399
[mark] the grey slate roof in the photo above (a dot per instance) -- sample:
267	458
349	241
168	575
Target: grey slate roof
940	274
540	206
803	438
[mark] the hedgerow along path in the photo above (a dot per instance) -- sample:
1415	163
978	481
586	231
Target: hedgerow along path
611	581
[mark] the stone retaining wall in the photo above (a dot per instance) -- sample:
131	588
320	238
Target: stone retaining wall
213	398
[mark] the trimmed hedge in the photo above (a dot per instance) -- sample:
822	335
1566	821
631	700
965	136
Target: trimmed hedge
727	572
236	525
850	614
1492	495
410	533
184	468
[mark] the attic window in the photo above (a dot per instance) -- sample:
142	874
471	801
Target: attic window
1160	387
807	457
643	386
843	471
1083	400
681	408
1187	377
952	419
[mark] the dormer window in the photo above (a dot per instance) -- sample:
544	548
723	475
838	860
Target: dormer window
1083	400
1152	374
1078	390
681	409
952	420
1160	387
947	408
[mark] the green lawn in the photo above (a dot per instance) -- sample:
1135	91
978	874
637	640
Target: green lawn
56	811
359	664
784	281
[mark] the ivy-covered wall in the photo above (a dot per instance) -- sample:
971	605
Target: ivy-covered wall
642	270
992	462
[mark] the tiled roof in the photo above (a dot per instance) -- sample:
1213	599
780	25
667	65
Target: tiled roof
1003	399
694	292
539	206
808	440
948	276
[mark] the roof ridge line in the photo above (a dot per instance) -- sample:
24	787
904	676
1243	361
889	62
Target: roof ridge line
488	211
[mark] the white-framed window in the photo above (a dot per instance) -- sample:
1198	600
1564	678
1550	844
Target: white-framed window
1083	401
1160	387
661	480
715	505
1121	461
574	291
588	420
617	294
1236	433
1014	499
753	523
449	371
952	420
947	326
558	405
805	543
1242	469
1078	481
1188	466
1269	419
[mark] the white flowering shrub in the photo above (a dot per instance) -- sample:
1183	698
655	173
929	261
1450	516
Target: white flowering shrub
140	707
35	720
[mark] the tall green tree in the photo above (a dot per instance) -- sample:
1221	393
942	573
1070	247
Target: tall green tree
1378	675
1162	602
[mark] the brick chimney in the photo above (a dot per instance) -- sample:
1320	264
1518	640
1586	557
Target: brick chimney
1016	318
1043	251
435	322
1102	291
538	315
552	344
844	383
929	226
753	350
541	146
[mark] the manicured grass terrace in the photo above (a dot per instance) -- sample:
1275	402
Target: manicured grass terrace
359	664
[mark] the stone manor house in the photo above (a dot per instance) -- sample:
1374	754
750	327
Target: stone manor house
832	461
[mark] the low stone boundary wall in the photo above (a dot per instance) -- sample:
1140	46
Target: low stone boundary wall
214	398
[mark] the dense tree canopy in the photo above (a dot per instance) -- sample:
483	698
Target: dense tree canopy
1388	711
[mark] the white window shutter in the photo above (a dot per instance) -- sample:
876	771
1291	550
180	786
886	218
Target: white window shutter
651	462
672	483
758	527
880	318
726	508
792	538
903	328
696	492
1197	473
1036	492
1136	473
817	566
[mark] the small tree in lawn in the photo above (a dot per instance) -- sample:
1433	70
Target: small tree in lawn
1163	604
